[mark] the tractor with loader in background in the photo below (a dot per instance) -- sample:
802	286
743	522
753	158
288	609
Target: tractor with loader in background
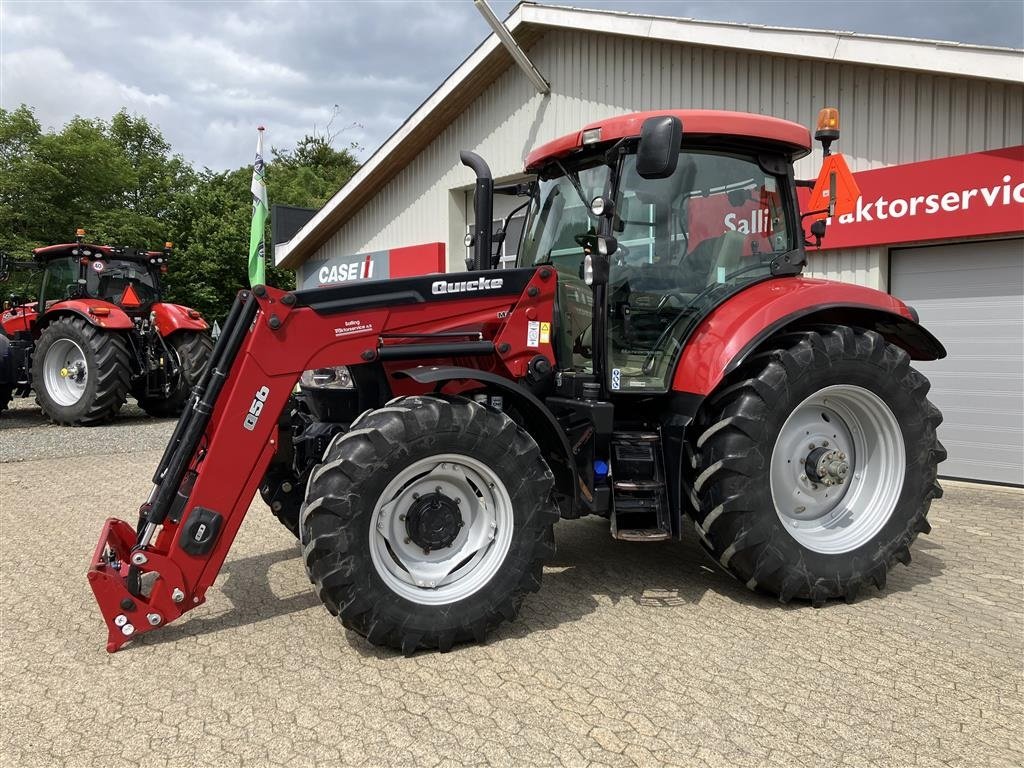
656	359
98	331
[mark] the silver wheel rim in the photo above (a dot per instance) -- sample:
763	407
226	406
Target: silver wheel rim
453	572
855	448
65	372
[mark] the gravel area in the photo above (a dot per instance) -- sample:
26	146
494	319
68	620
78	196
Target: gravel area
26	434
631	654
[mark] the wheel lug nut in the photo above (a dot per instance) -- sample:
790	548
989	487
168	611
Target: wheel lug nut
402	518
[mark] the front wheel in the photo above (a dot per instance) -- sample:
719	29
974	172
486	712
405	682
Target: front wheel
813	467
428	522
80	372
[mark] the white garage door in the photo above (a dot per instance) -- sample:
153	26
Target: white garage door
971	296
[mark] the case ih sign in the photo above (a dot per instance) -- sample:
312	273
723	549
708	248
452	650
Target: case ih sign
951	198
378	265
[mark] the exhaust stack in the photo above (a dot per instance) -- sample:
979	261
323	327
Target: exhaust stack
483	206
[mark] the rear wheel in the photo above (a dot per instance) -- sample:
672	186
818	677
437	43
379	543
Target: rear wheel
193	351
814	465
80	372
428	522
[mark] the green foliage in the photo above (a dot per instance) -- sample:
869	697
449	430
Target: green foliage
121	181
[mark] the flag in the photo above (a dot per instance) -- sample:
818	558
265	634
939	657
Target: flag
257	248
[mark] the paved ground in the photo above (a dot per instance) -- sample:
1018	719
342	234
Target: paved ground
631	654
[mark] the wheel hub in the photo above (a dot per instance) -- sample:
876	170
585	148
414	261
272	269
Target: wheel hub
433	521
828	466
837	468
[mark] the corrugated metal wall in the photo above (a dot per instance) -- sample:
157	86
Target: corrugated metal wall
889	117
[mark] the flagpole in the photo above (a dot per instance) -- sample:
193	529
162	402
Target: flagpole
258	188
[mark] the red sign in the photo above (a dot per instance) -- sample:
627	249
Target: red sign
953	197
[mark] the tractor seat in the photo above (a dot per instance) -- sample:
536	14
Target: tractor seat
712	261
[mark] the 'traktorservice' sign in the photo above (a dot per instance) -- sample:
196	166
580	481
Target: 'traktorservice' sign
953	197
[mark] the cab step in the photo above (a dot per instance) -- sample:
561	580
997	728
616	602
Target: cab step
639	494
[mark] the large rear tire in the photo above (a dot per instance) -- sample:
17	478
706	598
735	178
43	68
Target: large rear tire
80	372
193	350
813	466
428	522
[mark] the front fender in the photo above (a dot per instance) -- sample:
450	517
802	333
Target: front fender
540	423
99	313
744	321
171	318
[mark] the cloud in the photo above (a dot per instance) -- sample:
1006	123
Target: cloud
47	80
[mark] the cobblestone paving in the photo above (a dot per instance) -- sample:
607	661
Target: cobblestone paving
631	654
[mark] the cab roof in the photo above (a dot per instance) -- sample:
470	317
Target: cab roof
65	249
793	138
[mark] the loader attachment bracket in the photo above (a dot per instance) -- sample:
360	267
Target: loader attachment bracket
162	586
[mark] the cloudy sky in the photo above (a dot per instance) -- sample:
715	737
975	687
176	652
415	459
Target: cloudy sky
209	72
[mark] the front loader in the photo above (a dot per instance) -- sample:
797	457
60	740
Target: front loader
656	359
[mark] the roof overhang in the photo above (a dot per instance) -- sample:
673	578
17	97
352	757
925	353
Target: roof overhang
528	22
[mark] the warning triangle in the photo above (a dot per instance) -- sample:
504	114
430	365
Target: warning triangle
130	298
836	183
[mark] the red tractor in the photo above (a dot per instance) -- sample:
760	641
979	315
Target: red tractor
98	332
656	359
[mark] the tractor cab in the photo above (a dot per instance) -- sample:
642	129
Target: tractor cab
668	218
125	277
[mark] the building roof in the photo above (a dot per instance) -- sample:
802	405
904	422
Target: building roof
529	21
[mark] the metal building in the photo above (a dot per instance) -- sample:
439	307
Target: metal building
922	120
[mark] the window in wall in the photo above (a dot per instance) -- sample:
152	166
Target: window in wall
509	248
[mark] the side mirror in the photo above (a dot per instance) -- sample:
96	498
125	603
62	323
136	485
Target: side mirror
817	232
658	151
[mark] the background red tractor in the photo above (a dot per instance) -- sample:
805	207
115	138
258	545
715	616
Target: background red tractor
97	332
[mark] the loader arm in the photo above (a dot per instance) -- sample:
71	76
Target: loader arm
146	576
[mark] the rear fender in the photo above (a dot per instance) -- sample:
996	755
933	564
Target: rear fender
99	313
19	319
726	337
539	422
171	318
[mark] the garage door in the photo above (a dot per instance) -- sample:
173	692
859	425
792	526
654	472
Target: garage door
971	295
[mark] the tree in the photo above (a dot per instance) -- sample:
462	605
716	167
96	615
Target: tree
121	181
210	265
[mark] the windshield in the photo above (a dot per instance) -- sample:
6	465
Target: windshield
684	242
107	279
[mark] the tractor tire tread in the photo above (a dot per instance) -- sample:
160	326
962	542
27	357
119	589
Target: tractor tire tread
112	362
334	521
729	456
